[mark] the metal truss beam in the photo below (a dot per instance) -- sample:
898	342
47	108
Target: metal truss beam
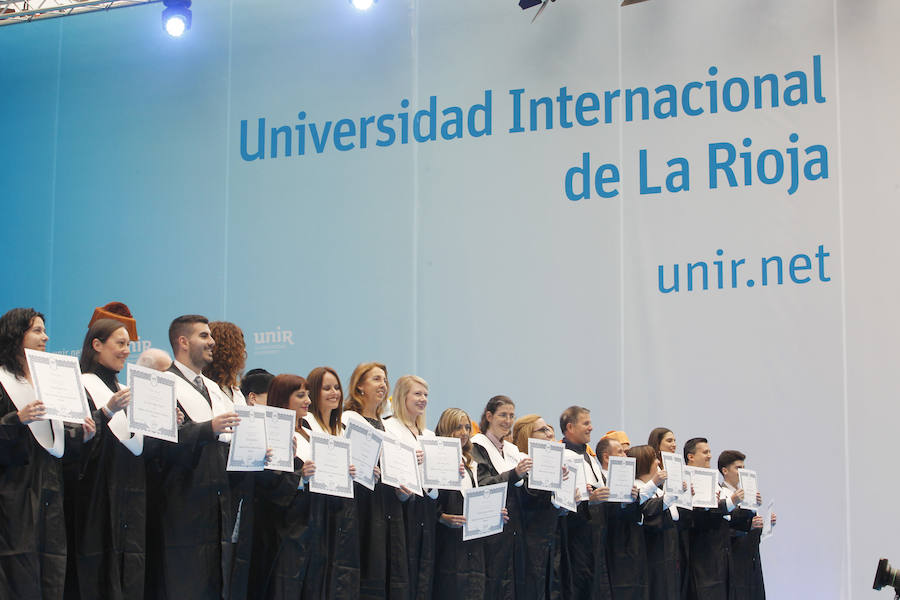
26	11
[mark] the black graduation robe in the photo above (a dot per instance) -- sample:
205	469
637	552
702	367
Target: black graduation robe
505	553
289	539
340	575
383	562
108	511
710	554
685	521
32	525
459	565
420	522
745	580
540	525
192	514
626	549
663	551
585	574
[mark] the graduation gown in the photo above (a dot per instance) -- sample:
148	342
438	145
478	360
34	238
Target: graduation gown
459	565
383	563
289	538
192	516
32	526
710	553
663	552
108	546
540	526
626	549
342	549
242	485
505	553
745	577
585	574
420	519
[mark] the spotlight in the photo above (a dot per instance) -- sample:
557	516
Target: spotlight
362	4
176	17
885	575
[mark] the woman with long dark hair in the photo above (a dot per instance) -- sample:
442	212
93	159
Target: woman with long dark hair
500	461
109	497
383	561
662	439
32	531
341	573
294	566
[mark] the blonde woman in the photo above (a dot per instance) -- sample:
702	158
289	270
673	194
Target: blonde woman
541	523
459	570
409	400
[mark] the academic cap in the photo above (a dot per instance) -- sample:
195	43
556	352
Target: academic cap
119	312
619	436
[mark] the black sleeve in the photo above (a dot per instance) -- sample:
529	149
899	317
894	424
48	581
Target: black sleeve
487	474
277	487
192	437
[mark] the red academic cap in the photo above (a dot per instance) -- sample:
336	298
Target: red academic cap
119	312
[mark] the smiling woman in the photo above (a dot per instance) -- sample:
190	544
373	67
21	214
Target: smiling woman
108	499
383	561
32	534
499	461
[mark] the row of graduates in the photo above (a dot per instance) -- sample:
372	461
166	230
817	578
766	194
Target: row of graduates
94	512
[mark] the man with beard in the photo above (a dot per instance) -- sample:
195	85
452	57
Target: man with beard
194	521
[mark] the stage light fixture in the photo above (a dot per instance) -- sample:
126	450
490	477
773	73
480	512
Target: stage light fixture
362	4
176	17
886	576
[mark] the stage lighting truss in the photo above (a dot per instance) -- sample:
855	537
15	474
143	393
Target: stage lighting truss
19	11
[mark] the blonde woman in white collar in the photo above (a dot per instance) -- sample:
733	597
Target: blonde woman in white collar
408	402
500	461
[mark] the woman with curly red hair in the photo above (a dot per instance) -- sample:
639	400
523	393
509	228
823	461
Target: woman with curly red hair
229	358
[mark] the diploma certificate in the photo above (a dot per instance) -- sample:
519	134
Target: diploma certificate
621	478
673	464
399	465
365	442
57	383
685	498
481	508
565	497
546	465
152	410
768	530
280	423
247	451
443	455
332	457
750	484
704	482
